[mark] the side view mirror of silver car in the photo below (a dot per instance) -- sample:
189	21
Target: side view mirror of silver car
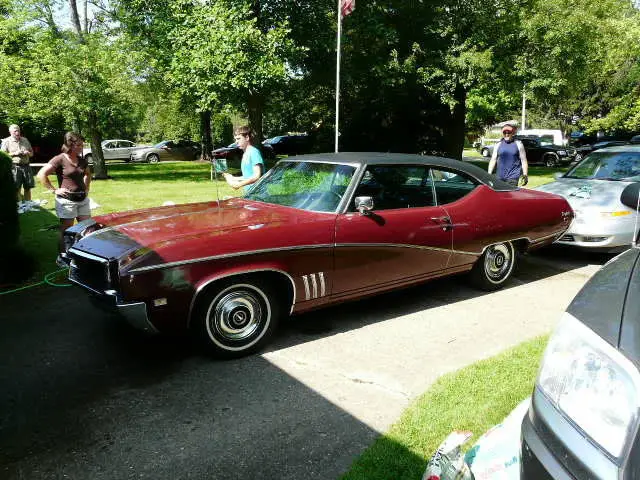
364	205
558	175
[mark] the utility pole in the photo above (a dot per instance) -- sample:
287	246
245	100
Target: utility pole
523	125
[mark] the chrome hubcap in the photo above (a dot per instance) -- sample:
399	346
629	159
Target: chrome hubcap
498	261
237	315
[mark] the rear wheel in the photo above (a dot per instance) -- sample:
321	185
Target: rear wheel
484	152
494	267
89	158
153	158
237	318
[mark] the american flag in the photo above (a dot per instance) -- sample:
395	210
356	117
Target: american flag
347	6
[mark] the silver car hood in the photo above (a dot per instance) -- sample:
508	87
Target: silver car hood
587	193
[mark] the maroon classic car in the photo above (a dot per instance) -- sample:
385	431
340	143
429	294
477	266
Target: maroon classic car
314	231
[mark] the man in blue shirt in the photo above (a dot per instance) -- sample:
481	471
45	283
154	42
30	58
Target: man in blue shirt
252	165
511	158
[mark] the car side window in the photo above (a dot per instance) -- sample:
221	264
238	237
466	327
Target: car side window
109	145
451	186
396	186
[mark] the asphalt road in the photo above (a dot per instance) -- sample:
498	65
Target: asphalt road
84	397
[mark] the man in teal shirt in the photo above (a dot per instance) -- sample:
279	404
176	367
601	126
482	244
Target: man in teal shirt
252	165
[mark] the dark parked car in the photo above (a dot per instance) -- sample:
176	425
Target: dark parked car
233	154
289	144
584	150
167	150
584	418
314	231
539	152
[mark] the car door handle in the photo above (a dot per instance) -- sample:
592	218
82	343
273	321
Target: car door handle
445	221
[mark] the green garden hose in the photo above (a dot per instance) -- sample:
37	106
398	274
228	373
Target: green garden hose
46	281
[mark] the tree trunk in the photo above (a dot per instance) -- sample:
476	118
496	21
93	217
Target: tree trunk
455	138
99	165
75	19
255	104
205	135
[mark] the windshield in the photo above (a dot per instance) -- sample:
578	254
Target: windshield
317	187
608	166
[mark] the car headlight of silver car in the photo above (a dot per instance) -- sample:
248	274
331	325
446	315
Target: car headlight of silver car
592	383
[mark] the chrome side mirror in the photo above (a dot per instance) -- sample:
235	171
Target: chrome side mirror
364	205
558	175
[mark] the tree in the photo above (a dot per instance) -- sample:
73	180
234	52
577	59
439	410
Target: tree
88	77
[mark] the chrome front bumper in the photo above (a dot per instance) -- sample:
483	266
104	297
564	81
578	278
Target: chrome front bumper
135	313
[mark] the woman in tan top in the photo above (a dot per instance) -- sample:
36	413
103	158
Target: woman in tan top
74	178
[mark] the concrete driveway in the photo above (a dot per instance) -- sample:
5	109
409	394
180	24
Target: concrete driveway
85	397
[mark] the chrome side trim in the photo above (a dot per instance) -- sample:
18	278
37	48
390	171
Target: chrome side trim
235	274
400	245
226	255
322	286
314	283
305	279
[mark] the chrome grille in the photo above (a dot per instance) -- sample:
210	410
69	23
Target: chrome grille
90	271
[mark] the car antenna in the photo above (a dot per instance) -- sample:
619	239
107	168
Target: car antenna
635	227
215	176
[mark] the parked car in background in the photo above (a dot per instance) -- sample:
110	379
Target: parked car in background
584	150
584	418
314	231
539	152
593	187
167	150
289	144
112	150
233	154
635	139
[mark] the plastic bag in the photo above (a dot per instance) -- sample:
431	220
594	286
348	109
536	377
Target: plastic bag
448	462
496	454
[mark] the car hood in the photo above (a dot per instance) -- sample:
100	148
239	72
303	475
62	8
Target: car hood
583	194
609	303
198	230
143	150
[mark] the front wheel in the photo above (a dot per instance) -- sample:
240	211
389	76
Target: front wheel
550	160
153	158
237	318
484	152
494	267
89	159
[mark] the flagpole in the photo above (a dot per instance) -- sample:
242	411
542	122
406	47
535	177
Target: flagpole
338	73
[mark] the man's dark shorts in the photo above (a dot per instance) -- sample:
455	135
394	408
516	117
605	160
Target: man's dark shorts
511	181
23	177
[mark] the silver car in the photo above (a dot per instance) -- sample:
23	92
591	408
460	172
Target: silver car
167	150
113	150
593	188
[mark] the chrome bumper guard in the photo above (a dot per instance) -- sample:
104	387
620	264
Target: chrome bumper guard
135	314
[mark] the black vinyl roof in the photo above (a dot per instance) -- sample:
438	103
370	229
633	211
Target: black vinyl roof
376	158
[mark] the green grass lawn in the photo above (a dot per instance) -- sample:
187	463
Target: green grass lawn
474	398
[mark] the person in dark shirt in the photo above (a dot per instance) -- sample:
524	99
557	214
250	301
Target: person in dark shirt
74	178
510	157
